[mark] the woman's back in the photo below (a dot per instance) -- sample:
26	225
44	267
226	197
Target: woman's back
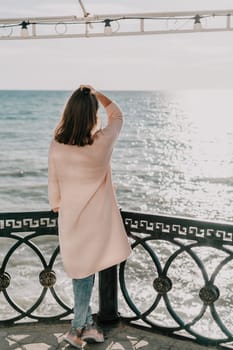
80	185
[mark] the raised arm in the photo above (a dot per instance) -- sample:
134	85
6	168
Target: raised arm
115	117
104	100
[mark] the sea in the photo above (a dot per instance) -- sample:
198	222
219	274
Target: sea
174	156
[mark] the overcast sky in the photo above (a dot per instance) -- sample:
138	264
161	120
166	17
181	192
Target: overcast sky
180	61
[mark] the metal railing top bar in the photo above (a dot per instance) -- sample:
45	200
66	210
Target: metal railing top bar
162	226
46	221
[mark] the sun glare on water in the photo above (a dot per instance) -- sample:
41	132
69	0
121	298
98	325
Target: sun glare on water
209	124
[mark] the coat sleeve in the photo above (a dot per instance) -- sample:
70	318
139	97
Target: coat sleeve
115	122
53	185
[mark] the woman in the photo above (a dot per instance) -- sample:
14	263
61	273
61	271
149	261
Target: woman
91	232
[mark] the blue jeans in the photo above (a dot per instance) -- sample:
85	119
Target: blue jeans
82	289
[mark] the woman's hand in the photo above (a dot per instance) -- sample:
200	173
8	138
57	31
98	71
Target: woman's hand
93	91
104	100
55	210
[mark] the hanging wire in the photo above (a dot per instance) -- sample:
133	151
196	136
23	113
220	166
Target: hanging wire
61	27
103	21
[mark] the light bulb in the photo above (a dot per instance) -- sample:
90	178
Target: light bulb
197	23
24	29
107	27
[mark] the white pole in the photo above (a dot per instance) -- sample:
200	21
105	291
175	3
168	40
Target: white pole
90	29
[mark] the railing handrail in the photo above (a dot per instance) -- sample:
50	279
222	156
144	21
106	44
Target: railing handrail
211	231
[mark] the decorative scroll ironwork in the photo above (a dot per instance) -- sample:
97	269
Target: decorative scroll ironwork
186	236
47	278
179	227
209	294
191	240
22	229
4	281
162	285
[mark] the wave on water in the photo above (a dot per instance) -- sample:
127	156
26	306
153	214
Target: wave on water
215	180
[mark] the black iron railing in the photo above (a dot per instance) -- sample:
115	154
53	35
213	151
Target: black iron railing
192	279
177	280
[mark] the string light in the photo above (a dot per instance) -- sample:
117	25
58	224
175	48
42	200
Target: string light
107	27
197	23
190	21
24	29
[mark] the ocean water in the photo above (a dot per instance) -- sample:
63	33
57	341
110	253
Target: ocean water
174	156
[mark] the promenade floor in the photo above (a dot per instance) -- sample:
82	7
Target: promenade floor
120	337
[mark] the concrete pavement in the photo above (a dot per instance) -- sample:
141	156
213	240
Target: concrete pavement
120	337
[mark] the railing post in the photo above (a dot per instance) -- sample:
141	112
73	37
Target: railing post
108	303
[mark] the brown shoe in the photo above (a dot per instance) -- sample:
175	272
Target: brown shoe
92	334
73	337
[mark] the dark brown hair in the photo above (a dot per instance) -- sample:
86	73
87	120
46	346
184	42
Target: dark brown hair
78	119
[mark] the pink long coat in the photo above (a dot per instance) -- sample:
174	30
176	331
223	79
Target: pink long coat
91	233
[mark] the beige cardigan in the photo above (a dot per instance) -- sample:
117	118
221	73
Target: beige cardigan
91	233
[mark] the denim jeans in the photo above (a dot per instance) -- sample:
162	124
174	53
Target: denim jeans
82	289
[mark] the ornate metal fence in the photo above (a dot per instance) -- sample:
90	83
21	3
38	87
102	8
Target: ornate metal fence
189	277
18	232
177	280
